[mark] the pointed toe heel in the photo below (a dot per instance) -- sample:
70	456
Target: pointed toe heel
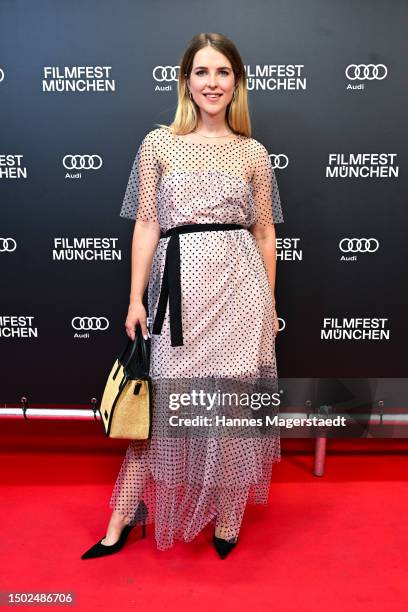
223	547
101	550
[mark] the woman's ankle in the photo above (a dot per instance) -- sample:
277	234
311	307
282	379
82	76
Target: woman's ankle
119	519
224	533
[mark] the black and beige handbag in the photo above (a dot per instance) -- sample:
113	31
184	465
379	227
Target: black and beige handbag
126	406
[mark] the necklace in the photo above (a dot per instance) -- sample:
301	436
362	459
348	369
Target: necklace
220	136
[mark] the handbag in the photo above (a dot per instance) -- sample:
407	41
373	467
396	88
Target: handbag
126	406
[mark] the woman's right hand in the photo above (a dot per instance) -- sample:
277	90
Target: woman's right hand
136	314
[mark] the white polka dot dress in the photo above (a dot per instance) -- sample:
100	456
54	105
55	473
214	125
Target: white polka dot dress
192	477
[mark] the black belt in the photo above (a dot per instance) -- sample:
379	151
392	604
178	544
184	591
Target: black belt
171	283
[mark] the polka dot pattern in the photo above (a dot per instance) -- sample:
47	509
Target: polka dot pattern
188	482
175	182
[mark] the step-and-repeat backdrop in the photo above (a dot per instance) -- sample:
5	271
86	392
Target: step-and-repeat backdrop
80	86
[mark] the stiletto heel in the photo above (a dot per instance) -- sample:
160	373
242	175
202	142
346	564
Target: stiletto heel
101	550
223	547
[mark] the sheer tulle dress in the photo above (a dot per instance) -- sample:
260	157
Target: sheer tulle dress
189	480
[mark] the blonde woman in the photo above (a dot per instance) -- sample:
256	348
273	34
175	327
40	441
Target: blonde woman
205	200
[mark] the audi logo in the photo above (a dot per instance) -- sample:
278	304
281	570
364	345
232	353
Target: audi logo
90	323
370	72
7	245
1	75
82	162
281	325
359	245
279	161
166	73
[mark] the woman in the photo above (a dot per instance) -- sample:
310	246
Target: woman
203	173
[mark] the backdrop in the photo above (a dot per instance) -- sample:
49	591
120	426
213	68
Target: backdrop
81	83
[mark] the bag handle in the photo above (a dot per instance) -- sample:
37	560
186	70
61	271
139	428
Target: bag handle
138	332
138	339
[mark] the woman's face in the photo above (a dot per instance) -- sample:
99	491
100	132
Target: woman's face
211	73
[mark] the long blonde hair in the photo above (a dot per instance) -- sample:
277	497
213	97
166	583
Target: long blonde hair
237	112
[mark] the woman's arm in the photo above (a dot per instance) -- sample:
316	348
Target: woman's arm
268	211
146	235
266	240
140	203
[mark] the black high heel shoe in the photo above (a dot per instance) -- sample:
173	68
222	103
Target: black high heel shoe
224	547
100	550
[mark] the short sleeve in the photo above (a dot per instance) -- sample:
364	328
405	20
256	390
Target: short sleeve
140	199
265	191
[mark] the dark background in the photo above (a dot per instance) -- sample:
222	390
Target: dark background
305	125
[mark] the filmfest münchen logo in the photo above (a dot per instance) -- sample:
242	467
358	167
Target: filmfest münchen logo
288	249
78	79
362	165
276	77
18	326
90	248
355	328
12	166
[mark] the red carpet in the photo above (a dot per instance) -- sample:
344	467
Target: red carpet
336	543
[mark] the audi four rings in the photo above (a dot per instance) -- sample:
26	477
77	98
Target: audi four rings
279	161
359	245
7	245
370	72
90	323
82	162
165	73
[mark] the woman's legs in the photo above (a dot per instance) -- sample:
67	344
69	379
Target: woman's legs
128	490
116	523
230	511
232	496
